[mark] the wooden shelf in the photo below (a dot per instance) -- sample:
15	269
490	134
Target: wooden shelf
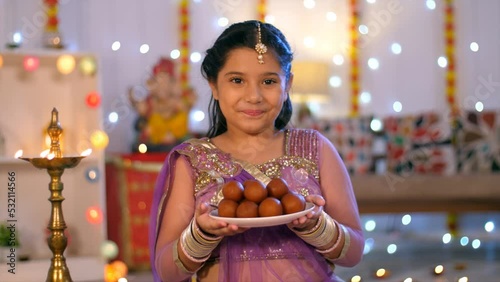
397	194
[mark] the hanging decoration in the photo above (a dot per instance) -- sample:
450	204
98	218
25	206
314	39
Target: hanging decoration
184	42
65	64
93	99
31	63
94	215
353	55
52	37
88	65
99	139
449	33
262	10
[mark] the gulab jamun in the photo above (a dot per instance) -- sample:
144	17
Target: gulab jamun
277	187
270	207
227	208
254	191
293	202
247	209
233	190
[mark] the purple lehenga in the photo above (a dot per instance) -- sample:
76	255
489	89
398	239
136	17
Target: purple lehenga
258	254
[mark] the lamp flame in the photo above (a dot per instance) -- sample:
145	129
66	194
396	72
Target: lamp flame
18	154
86	153
45	153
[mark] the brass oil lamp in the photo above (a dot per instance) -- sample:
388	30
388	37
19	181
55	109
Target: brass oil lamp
55	164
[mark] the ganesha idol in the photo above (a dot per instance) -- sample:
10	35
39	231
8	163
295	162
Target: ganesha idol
163	115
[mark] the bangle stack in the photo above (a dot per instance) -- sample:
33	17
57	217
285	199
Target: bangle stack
321	234
196	245
336	244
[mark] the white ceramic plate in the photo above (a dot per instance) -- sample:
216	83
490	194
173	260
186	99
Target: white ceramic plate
263	221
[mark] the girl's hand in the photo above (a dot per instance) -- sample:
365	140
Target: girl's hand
213	226
309	220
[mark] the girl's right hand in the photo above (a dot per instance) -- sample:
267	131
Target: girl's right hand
212	226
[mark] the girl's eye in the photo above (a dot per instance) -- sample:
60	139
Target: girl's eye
236	80
269	81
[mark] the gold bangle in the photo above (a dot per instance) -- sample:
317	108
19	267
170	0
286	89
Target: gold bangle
178	262
336	244
323	235
189	252
312	230
202	236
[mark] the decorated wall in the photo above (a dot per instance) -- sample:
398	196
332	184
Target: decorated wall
402	66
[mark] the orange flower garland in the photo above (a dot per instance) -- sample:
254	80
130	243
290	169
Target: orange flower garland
261	10
353	54
449	34
52	24
184	42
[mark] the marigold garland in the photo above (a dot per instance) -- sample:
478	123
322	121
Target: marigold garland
52	23
262	10
449	34
353	54
184	35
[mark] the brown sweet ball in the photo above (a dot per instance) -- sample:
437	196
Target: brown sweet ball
270	207
277	187
254	191
233	190
227	208
293	202
247	209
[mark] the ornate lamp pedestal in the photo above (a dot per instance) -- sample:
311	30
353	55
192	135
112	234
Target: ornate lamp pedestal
55	164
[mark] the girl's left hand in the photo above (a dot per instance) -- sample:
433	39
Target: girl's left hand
309	220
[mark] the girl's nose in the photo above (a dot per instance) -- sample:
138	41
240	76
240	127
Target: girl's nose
253	94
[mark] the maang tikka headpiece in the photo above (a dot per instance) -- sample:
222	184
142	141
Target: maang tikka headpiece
260	47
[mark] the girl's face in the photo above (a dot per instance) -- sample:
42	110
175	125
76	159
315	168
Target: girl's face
250	94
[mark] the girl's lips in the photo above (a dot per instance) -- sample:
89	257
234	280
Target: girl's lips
252	113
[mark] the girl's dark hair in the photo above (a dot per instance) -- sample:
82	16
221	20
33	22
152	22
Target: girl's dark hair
244	34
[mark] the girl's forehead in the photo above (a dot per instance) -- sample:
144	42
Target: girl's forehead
245	58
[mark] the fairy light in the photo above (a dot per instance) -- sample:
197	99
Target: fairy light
143	148
382	273
392	248
446	238
113	117
356	278
116	46
406	219
370	225
476	243
175	54
489	226
464	241
438	270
